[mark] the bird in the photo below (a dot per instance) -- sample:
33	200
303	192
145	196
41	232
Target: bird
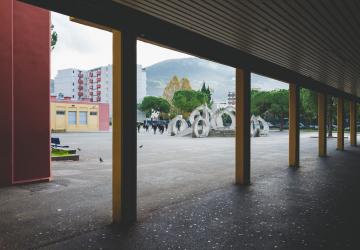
141	146
101	160
78	149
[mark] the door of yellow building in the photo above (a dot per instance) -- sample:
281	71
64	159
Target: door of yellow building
72	117
94	119
60	119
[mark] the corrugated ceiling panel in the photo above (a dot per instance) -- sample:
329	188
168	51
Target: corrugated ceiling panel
319	39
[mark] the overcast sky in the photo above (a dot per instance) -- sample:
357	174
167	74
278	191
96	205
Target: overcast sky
83	47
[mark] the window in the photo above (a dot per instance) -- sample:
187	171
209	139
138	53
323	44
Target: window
83	118
60	112
93	113
72	117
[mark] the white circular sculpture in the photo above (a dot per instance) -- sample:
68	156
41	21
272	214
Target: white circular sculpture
202	111
202	120
216	121
173	128
200	127
258	126
264	126
254	127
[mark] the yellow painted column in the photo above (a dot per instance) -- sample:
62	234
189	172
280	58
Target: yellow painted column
124	174
353	132
340	124
322	108
116	128
294	133
242	141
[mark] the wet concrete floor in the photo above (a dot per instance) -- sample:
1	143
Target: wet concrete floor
187	199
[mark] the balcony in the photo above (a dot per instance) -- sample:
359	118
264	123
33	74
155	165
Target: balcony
98	72
98	92
91	74
98	79
80	75
80	81
80	94
90	80
91	93
80	87
98	86
98	99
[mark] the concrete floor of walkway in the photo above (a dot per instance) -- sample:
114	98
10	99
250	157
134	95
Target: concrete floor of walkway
187	200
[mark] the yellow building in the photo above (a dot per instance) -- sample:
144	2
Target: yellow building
78	116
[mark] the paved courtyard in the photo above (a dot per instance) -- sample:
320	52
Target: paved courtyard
174	175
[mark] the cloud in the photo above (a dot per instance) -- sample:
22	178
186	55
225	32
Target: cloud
149	54
265	83
83	47
79	46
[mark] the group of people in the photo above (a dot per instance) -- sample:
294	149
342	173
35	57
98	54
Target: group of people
160	126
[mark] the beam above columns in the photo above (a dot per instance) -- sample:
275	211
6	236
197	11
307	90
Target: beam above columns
242	142
124	124
294	98
353	141
322	110
340	124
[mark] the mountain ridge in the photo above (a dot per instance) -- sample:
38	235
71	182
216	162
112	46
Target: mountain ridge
219	77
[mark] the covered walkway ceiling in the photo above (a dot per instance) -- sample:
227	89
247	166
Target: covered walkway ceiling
312	43
318	39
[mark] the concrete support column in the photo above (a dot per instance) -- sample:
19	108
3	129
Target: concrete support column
242	142
124	128
322	110
340	124
353	141
294	96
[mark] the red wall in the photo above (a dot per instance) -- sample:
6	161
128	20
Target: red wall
104	117
6	92
30	92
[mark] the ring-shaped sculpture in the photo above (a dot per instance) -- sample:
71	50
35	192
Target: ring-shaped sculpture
254	127
264	126
202	111
216	121
173	129
205	127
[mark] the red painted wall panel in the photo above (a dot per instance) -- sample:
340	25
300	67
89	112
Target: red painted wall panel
31	93
6	92
104	117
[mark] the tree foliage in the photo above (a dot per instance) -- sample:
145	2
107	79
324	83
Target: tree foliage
54	37
175	85
272	105
308	108
188	100
207	92
153	103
